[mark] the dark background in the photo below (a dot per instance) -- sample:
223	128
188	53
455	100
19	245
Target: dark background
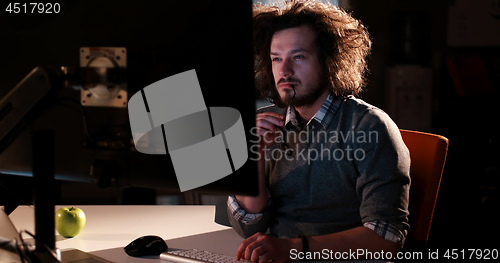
468	201
162	39
169	37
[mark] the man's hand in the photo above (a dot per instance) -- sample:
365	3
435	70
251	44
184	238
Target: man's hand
267	127
262	248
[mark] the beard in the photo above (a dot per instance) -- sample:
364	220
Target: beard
309	94
288	98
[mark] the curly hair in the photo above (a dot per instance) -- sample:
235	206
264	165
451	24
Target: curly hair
342	41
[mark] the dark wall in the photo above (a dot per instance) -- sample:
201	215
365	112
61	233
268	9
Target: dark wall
469	193
162	38
468	197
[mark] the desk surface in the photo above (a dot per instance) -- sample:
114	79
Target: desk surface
116	226
110	228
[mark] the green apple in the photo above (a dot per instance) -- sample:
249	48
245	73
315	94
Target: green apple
70	221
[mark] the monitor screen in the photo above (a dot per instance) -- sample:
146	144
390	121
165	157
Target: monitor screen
161	39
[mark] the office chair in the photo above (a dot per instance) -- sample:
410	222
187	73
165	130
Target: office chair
428	155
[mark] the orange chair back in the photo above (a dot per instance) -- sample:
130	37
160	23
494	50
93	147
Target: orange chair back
428	155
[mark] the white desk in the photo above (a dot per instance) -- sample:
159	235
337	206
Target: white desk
110	228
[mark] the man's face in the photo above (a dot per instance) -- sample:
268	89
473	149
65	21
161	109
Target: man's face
295	62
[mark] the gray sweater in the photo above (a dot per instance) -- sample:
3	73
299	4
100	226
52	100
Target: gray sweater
336	175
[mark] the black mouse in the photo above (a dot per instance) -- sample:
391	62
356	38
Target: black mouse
146	246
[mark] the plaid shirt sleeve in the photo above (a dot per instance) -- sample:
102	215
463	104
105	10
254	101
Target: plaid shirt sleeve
241	215
387	231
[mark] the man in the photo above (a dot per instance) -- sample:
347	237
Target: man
333	170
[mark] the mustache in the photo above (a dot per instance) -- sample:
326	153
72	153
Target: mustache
289	79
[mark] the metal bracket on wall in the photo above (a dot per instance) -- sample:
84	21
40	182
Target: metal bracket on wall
99	90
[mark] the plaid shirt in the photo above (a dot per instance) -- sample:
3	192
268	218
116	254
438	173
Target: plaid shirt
324	116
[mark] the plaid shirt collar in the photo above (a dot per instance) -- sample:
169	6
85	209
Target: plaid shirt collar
324	115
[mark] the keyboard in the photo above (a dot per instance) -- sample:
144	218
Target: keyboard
197	256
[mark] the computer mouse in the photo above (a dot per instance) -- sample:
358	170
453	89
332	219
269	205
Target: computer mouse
146	246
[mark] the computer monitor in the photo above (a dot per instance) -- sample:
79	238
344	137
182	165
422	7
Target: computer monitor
162	38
